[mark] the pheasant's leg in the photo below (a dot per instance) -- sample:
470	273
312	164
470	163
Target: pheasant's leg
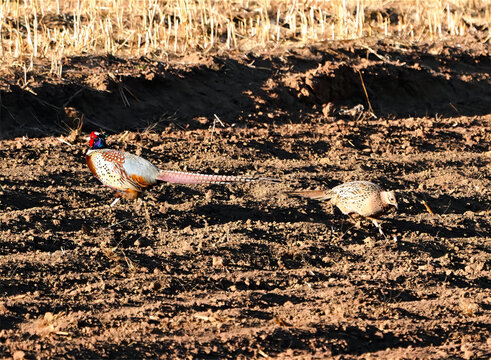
118	196
115	202
349	227
374	221
356	221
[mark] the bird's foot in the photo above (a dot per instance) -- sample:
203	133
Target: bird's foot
379	227
115	202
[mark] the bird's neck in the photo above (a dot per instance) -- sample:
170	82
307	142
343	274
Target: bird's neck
89	151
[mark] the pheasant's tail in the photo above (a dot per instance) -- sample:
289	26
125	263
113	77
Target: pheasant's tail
179	177
312	194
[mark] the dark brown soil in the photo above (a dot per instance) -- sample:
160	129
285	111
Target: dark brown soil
245	271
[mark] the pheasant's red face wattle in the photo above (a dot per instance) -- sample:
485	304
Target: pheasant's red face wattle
93	136
97	140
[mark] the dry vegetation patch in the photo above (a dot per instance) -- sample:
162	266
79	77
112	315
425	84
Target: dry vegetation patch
33	31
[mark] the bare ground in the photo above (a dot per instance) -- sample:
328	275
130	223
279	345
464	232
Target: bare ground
242	271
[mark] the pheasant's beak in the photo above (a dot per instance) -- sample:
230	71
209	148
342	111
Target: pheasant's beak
396	206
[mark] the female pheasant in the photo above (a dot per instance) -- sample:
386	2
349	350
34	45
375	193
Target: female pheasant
356	199
129	174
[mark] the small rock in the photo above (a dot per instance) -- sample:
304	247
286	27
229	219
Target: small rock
19	355
217	261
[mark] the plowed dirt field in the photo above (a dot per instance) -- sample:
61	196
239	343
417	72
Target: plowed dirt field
241	271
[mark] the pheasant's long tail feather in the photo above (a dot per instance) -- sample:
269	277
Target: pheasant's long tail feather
312	194
179	177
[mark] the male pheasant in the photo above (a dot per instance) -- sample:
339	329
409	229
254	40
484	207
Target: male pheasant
130	174
357	199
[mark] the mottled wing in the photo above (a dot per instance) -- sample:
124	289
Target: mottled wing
139	170
352	197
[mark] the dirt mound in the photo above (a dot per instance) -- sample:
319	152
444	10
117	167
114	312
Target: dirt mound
401	84
115	94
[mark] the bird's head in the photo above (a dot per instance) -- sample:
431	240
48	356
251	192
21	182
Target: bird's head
390	198
97	140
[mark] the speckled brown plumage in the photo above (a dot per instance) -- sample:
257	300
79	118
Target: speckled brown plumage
356	199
